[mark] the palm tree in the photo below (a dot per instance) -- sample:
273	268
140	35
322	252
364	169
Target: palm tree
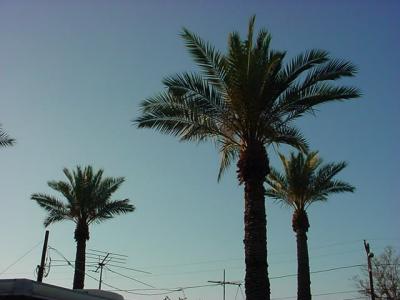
305	181
5	140
244	101
88	201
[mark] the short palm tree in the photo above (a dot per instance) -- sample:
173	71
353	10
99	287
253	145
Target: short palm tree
5	140
244	101
87	195
305	181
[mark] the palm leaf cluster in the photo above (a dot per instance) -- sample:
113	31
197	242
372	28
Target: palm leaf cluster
87	196
305	180
248	94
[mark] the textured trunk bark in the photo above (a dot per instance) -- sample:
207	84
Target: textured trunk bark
252	169
79	275
303	267
81	236
300	226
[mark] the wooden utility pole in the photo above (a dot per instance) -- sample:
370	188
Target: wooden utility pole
370	255
224	283
41	267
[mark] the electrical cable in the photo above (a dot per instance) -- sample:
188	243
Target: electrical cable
127	268
128	277
168	291
316	295
319	271
180	289
19	259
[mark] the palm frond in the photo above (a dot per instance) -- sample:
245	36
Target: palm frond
195	88
207	58
5	139
332	70
64	188
328	171
288	135
229	152
111	209
57	210
302	63
70	176
105	188
249	42
178	116
296	101
49	203
56	216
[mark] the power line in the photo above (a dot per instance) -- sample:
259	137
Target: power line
316	295
321	246
319	271
131	278
20	258
128	268
167	290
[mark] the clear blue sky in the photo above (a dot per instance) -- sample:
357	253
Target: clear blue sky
72	75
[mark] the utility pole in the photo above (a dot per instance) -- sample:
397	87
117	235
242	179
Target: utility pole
370	255
224	283
101	265
103	259
41	267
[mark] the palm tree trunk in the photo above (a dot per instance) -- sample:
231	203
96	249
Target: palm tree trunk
79	275
81	236
303	267
252	169
300	226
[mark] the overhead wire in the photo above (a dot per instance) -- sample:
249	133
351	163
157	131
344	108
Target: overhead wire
19	259
128	268
128	277
167	291
316	295
319	271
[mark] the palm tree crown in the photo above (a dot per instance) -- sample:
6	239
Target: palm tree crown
305	180
87	194
246	95
88	198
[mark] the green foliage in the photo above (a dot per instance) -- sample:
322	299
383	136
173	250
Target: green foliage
305	180
250	93
87	194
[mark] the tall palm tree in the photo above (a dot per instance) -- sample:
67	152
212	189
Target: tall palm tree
5	140
245	100
88	201
305	181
